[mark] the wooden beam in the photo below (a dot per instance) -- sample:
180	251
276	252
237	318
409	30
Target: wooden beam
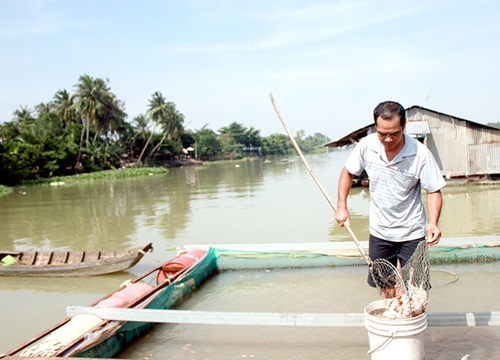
274	319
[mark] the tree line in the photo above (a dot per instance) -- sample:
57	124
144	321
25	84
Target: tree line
87	130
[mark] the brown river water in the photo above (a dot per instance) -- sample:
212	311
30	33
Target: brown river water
237	202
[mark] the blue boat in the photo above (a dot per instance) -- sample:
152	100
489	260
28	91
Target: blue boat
88	336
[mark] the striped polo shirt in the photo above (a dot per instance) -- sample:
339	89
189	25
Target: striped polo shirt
396	209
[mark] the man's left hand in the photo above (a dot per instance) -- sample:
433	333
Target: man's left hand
433	234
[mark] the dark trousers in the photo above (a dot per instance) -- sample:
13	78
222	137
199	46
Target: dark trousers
391	251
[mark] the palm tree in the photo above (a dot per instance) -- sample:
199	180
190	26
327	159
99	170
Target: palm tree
91	98
110	116
144	121
23	116
63	105
43	108
139	131
165	114
171	121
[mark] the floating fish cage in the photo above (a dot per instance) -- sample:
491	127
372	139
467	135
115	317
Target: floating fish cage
130	323
304	255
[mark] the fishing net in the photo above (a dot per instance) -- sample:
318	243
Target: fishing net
406	288
415	272
289	256
387	279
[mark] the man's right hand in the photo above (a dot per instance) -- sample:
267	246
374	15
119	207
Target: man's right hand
345	182
342	216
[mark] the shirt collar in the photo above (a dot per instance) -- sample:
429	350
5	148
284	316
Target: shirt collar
409	148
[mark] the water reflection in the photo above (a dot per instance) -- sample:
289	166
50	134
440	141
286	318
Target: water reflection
472	210
256	201
272	200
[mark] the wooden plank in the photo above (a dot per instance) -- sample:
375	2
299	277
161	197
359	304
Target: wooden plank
43	258
91	256
274	319
75	257
29	259
58	257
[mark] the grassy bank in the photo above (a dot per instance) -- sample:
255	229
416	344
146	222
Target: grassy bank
99	175
4	190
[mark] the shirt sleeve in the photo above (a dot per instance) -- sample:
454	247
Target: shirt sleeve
355	163
431	179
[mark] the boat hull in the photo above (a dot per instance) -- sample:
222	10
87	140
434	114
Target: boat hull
168	298
71	263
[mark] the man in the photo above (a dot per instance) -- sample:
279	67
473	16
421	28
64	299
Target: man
398	166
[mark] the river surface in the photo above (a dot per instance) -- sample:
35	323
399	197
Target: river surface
236	202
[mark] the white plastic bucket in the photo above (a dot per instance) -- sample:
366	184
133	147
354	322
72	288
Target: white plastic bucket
401	339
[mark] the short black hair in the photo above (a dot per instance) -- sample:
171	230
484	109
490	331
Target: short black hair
388	109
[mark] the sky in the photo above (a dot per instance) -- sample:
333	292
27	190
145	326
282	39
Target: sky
327	63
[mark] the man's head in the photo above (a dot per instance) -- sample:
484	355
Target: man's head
390	121
389	109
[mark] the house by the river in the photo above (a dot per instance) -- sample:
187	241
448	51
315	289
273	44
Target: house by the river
463	149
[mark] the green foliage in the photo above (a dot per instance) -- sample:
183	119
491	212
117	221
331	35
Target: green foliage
277	144
311	143
238	140
86	131
4	190
207	144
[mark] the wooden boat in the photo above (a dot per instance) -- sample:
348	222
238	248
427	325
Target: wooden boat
69	263
89	336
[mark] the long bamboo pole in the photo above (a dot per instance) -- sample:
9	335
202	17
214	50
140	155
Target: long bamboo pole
323	191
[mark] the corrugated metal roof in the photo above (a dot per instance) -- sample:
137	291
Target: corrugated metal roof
352	138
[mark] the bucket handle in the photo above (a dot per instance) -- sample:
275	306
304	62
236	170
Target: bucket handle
371	351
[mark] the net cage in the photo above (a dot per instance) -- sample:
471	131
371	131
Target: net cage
281	256
308	255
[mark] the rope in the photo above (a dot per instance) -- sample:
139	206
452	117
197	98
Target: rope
146	254
456	277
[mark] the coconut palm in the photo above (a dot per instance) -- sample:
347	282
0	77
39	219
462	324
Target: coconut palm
91	97
94	102
63	105
172	125
23	115
158	110
140	126
164	114
143	122
43	108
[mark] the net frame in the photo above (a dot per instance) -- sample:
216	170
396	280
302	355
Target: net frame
387	279
407	288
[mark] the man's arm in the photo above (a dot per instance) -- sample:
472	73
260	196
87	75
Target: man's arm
345	183
434	204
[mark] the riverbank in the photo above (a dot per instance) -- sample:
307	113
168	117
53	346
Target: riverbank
4	190
98	175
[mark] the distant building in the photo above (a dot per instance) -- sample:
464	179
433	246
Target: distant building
462	148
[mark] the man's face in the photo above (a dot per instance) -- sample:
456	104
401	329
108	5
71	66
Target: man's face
390	133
